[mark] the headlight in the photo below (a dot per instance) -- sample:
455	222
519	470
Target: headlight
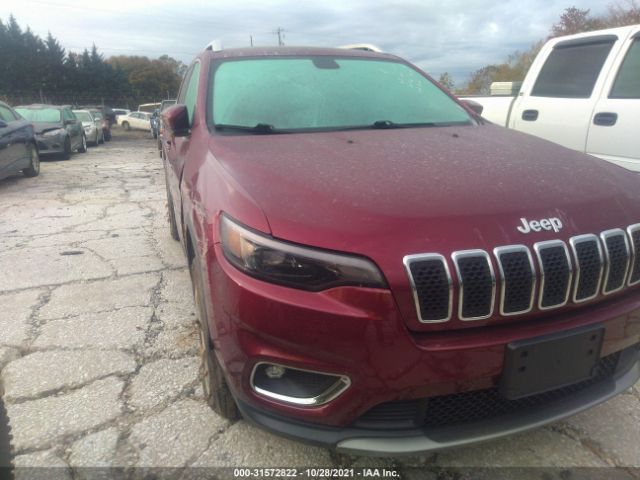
53	133
292	265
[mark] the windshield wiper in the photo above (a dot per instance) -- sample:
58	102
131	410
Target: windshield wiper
259	128
389	124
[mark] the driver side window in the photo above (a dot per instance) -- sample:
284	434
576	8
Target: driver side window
191	92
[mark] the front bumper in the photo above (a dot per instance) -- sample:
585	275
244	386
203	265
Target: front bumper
362	441
358	333
50	144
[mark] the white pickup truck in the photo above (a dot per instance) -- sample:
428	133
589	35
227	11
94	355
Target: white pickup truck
582	91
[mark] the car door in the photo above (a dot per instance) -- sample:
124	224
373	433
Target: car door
177	147
138	121
6	151
14	137
613	131
558	103
71	125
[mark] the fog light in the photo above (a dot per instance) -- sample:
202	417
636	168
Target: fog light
297	386
275	371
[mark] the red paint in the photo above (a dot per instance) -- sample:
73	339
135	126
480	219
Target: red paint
384	194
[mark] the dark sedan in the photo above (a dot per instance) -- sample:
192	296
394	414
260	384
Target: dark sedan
58	131
18	150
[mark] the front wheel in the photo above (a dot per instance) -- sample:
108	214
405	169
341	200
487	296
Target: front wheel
83	145
126	125
66	151
214	385
34	168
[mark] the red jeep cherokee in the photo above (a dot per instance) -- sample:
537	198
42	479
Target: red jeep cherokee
378	269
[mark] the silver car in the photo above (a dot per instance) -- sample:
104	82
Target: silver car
92	126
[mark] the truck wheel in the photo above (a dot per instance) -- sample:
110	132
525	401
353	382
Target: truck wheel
83	145
34	169
216	390
6	470
126	125
66	153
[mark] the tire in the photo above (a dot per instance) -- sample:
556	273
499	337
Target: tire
34	169
215	388
66	153
173	225
83	145
6	456
126	126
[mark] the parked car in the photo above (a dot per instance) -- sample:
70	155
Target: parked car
105	124
136	121
118	112
58	131
6	450
155	123
92	125
378	269
582	91
165	104
18	150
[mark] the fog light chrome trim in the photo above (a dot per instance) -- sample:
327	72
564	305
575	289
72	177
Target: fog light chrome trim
336	389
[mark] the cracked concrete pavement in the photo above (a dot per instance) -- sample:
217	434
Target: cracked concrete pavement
98	347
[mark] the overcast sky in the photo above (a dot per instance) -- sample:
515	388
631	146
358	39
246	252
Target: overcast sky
458	36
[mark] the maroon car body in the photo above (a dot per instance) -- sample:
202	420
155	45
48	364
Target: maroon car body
388	196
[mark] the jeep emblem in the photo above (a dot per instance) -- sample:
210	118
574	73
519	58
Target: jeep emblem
552	223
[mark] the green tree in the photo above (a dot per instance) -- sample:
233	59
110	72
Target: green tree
446	81
575	20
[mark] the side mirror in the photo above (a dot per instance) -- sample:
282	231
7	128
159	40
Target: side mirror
69	122
176	120
474	106
3	124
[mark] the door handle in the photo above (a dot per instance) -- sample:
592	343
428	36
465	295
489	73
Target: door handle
605	119
530	115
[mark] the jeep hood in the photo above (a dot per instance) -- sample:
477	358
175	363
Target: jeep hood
425	189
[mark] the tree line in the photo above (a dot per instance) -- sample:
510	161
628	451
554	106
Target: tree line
36	70
572	20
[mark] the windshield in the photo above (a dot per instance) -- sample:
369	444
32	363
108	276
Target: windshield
40	115
83	116
327	93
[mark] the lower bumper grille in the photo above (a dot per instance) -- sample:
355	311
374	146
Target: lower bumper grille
469	407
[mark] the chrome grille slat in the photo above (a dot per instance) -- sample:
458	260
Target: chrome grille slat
477	284
431	286
616	250
555	273
634	238
517	279
589	267
598	264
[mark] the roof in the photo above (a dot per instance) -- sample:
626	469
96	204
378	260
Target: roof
40	105
294	51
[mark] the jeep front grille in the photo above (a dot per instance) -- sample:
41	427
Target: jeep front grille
517	279
477	284
634	236
555	273
432	287
616	247
597	265
589	267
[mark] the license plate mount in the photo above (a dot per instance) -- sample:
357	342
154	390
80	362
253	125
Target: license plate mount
540	364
